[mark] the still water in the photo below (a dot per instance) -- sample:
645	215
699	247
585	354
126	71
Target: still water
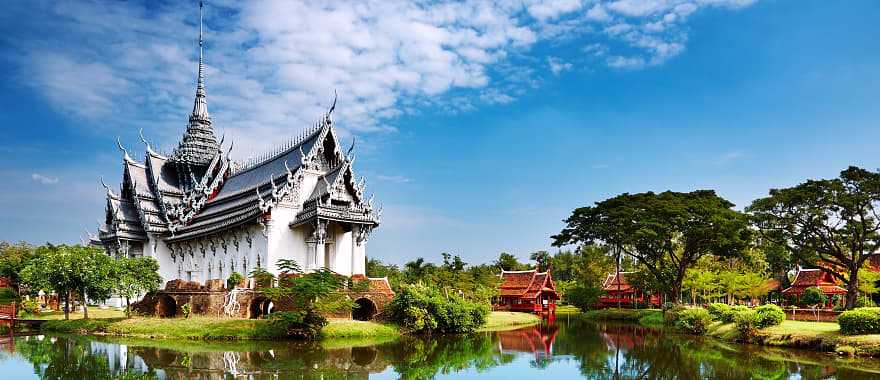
567	348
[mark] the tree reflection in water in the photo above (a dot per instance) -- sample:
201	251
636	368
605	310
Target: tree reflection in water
596	350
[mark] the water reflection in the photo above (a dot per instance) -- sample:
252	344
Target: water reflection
568	347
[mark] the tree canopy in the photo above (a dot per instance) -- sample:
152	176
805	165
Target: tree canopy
666	232
829	223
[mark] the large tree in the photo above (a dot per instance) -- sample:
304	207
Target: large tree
830	223
67	269
136	276
666	232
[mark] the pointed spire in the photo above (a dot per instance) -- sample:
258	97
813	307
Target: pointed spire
199	144
200	108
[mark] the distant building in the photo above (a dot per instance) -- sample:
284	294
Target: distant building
529	291
619	291
204	216
808	278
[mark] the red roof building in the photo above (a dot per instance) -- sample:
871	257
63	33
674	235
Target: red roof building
529	291
808	278
618	291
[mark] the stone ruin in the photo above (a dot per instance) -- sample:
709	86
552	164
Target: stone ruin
245	301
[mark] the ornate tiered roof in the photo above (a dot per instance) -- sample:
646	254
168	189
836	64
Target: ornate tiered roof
618	283
807	278
199	191
526	284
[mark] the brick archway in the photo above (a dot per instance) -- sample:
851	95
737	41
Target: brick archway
259	307
166	307
365	311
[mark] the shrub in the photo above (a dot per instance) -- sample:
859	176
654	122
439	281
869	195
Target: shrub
670	315
234	279
186	309
30	306
746	323
813	296
864	320
425	309
769	315
693	321
718	311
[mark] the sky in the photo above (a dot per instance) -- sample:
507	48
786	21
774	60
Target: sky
479	125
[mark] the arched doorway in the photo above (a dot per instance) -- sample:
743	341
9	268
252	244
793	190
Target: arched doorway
166	307
260	307
365	311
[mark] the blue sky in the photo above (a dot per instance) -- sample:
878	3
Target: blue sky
480	125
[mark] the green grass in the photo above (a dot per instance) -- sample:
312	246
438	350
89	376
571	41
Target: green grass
821	336
567	309
205	328
209	328
94	312
344	328
649	317
501	320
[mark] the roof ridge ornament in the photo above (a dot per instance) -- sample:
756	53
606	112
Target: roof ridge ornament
127	158
146	143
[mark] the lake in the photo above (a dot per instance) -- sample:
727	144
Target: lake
567	348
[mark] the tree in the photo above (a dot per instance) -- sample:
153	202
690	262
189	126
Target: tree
311	295
830	223
667	232
66	269
136	276
52	270
509	262
97	274
541	259
868	281
14	258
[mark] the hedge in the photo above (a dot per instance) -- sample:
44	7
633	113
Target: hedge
864	320
694	321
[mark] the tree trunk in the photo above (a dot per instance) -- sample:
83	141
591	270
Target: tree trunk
85	307
67	305
852	289
127	307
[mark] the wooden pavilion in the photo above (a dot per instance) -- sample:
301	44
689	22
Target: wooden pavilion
528	291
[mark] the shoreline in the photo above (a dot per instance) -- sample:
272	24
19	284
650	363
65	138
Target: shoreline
813	336
227	329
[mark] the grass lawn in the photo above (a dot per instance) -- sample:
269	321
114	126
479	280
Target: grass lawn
94	312
501	320
345	328
567	309
822	336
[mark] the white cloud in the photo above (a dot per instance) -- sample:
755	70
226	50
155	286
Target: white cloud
620	62
44	179
272	65
393	178
557	66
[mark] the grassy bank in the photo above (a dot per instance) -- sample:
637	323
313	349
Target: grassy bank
645	317
822	336
214	328
208	328
819	336
348	329
503	320
94	312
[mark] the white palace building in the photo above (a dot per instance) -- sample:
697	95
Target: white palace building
204	216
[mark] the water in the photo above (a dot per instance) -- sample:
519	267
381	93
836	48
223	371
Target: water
565	349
